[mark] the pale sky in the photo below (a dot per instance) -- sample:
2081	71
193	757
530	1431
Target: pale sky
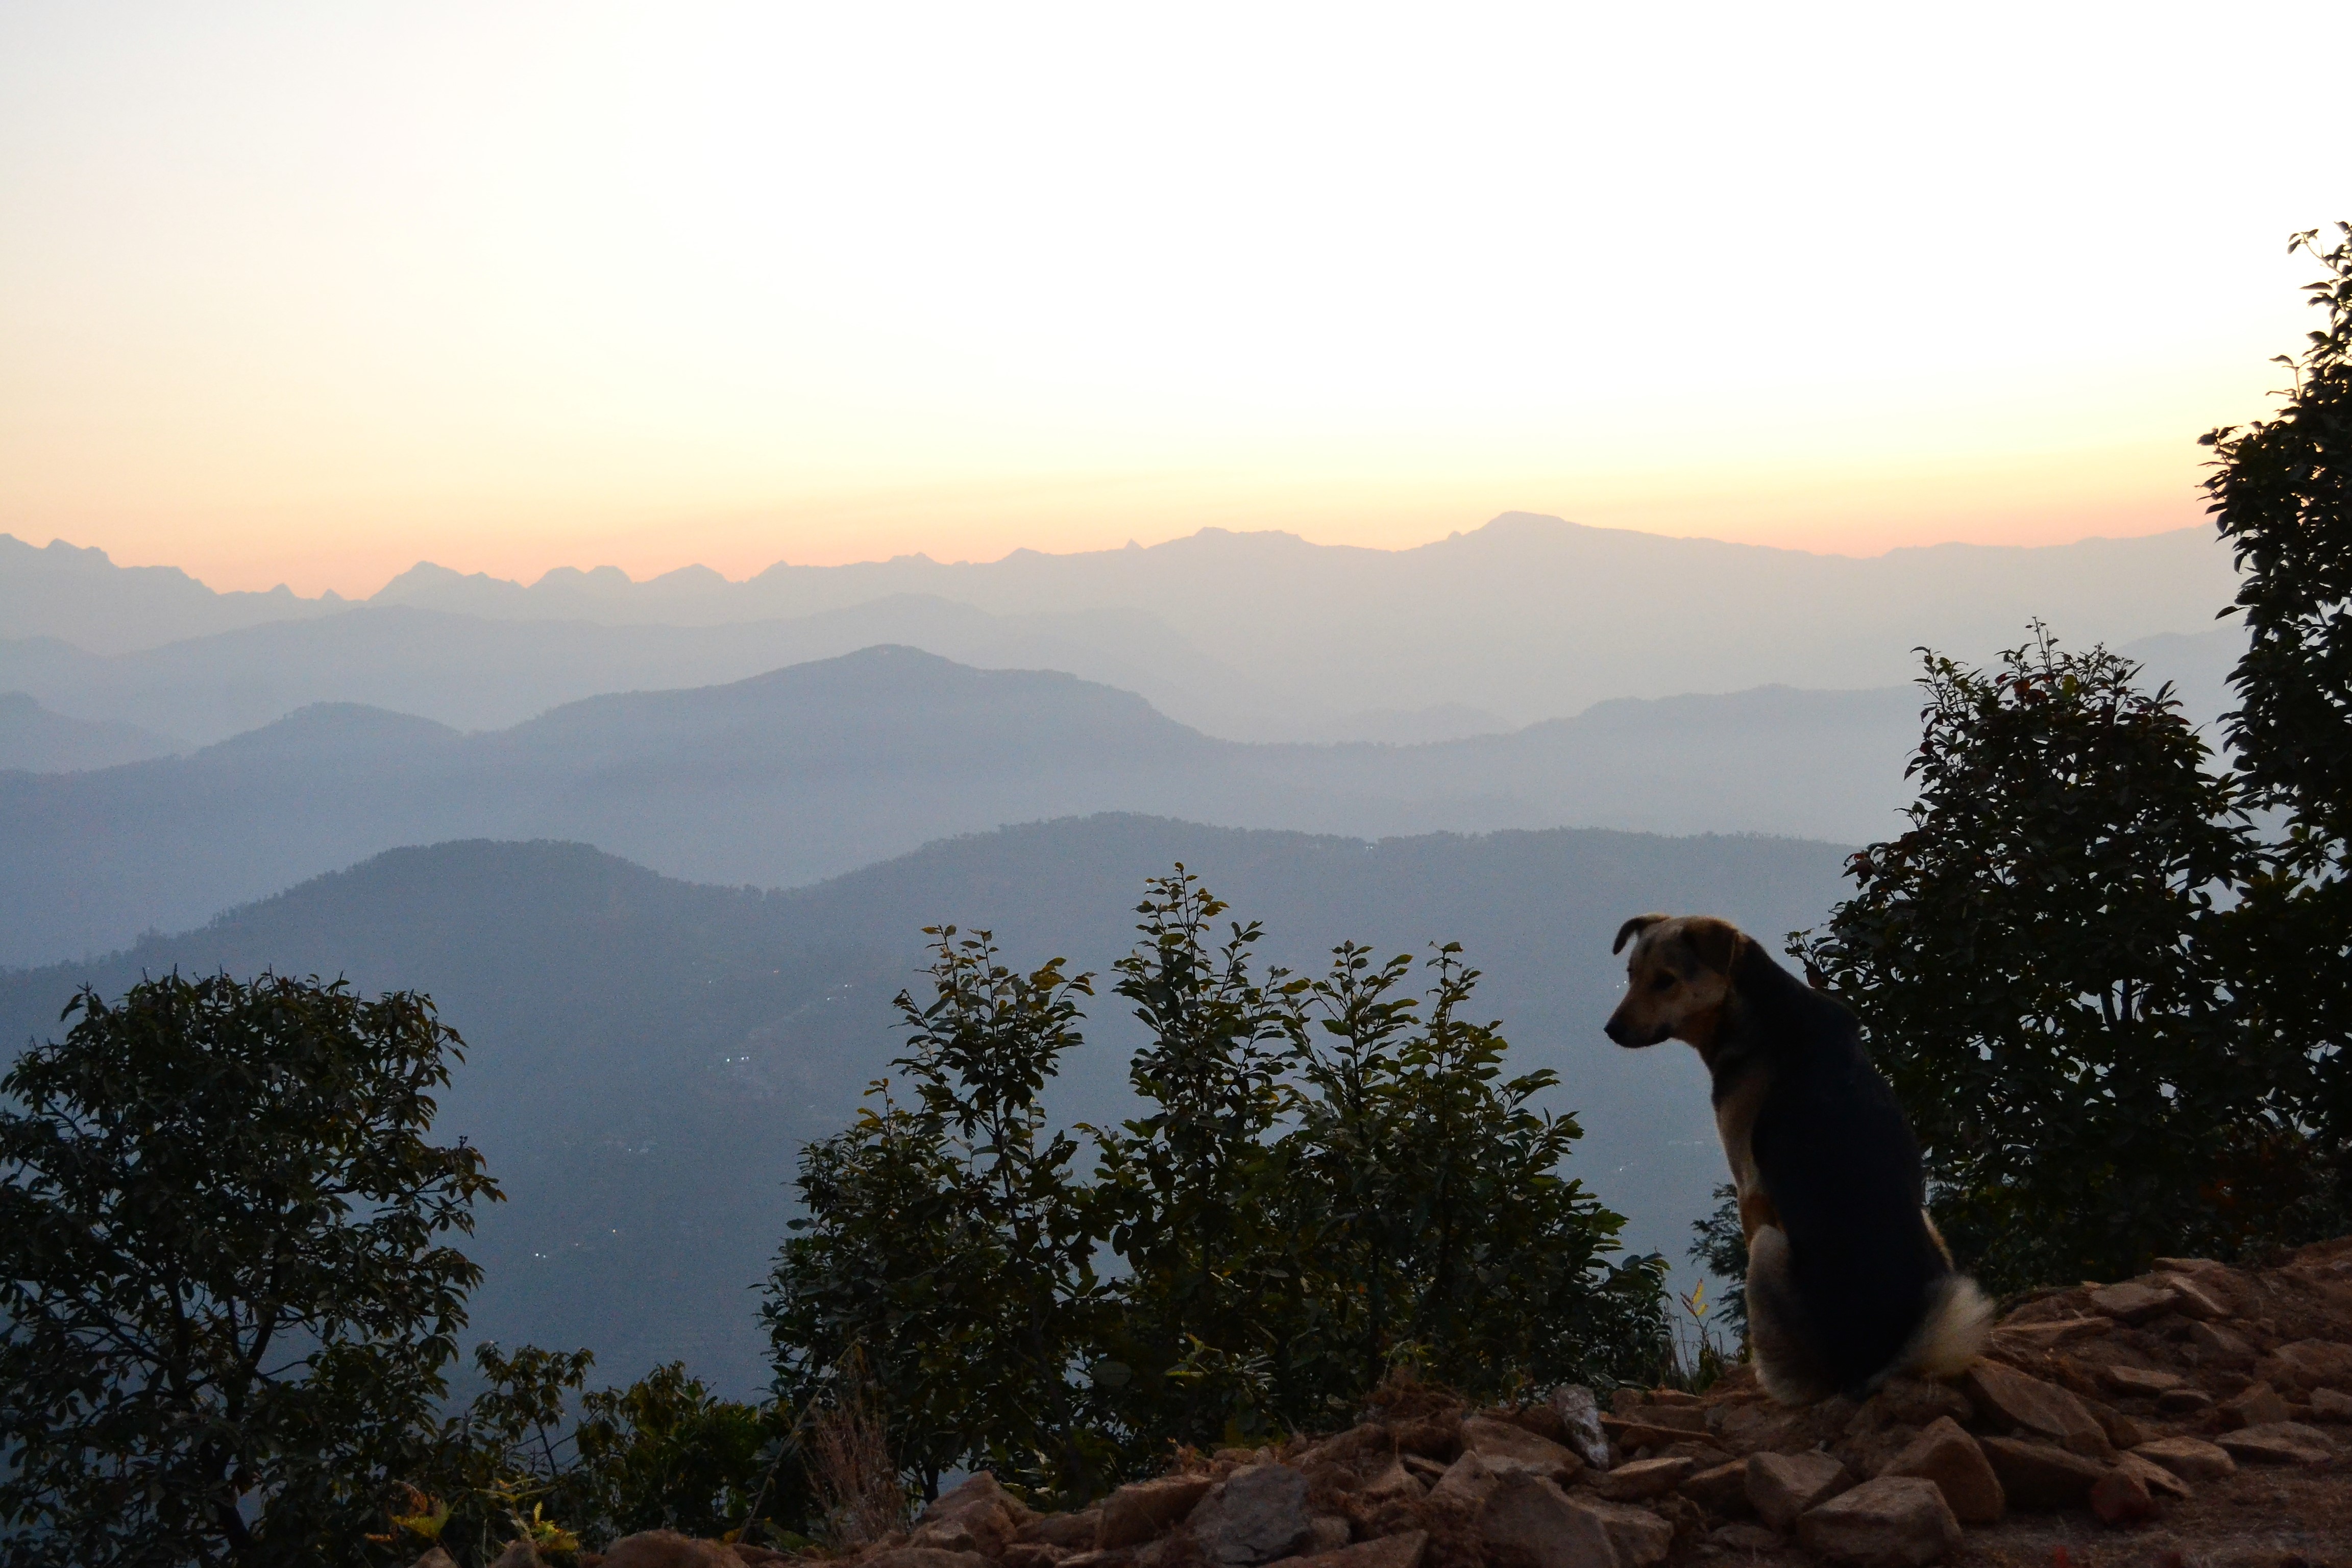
306	293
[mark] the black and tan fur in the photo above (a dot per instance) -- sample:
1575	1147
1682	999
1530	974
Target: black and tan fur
1848	1283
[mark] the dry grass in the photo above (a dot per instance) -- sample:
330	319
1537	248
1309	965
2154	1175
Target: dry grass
856	1482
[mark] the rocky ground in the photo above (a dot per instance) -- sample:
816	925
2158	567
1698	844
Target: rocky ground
2198	1416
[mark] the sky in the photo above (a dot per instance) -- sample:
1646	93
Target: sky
306	293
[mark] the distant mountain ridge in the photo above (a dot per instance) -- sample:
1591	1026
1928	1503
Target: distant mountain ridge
1247	636
815	770
647	1055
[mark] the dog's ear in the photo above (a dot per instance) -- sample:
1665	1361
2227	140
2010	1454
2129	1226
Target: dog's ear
1715	943
1634	928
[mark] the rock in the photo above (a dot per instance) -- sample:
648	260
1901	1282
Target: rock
2159	1481
1405	1551
2195	1300
2279	1443
1537	1523
2121	1498
2219	1346
1723	1489
1505	1446
1782	1486
1947	1457
2190	1458
2183	1401
1684	1418
1466	1484
1894	1521
434	1558
1434	1437
2140	1382
669	1549
897	1557
1329	1533
2131	1301
519	1554
1395	1484
1255	1515
977	1516
1908	1401
1023	1555
2313	1364
2326	1404
2254	1405
1640	1536
1745	1537
2049	1334
1070	1531
2014	1399
1642	1478
1427	1469
1135	1513
1580	1418
2037	1474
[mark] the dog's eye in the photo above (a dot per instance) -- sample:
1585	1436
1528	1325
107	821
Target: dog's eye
1663	982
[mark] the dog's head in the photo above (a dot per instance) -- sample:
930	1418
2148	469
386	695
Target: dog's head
1676	977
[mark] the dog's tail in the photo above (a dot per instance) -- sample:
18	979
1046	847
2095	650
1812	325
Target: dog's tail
1950	1334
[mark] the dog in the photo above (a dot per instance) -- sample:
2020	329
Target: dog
1848	1283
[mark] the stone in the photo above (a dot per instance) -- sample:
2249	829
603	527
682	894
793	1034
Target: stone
2183	1401
2218	1346
895	1557
2194	1299
1255	1515
2141	1382
1466	1484
2315	1364
1640	1537
2120	1497
1331	1531
1745	1537
1782	1486
977	1516
2326	1404
1505	1446
1426	1469
2132	1301
1395	1484
1723	1489
1667	1418
669	1549
1070	1531
2190	1458
1947	1457
1894	1521
2037	1474
1908	1401
1020	1554
434	1558
2041	1409
2049	1334
1536	1522
1405	1551
2279	1443
1433	1437
1580	1418
2159	1481
520	1554
1642	1478
1142	1509
2254	1405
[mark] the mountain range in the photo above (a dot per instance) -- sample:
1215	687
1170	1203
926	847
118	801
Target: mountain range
647	1055
1243	636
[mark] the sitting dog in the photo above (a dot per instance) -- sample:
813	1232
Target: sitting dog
1848	1282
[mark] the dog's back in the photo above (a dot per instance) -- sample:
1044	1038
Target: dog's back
1867	1290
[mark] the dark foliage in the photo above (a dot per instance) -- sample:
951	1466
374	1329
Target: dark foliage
1326	1183
2046	979
228	1305
1721	1249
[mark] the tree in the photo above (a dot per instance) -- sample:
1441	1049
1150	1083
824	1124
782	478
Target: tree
2280	495
1191	1193
226	1301
945	1249
1441	1229
2045	977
